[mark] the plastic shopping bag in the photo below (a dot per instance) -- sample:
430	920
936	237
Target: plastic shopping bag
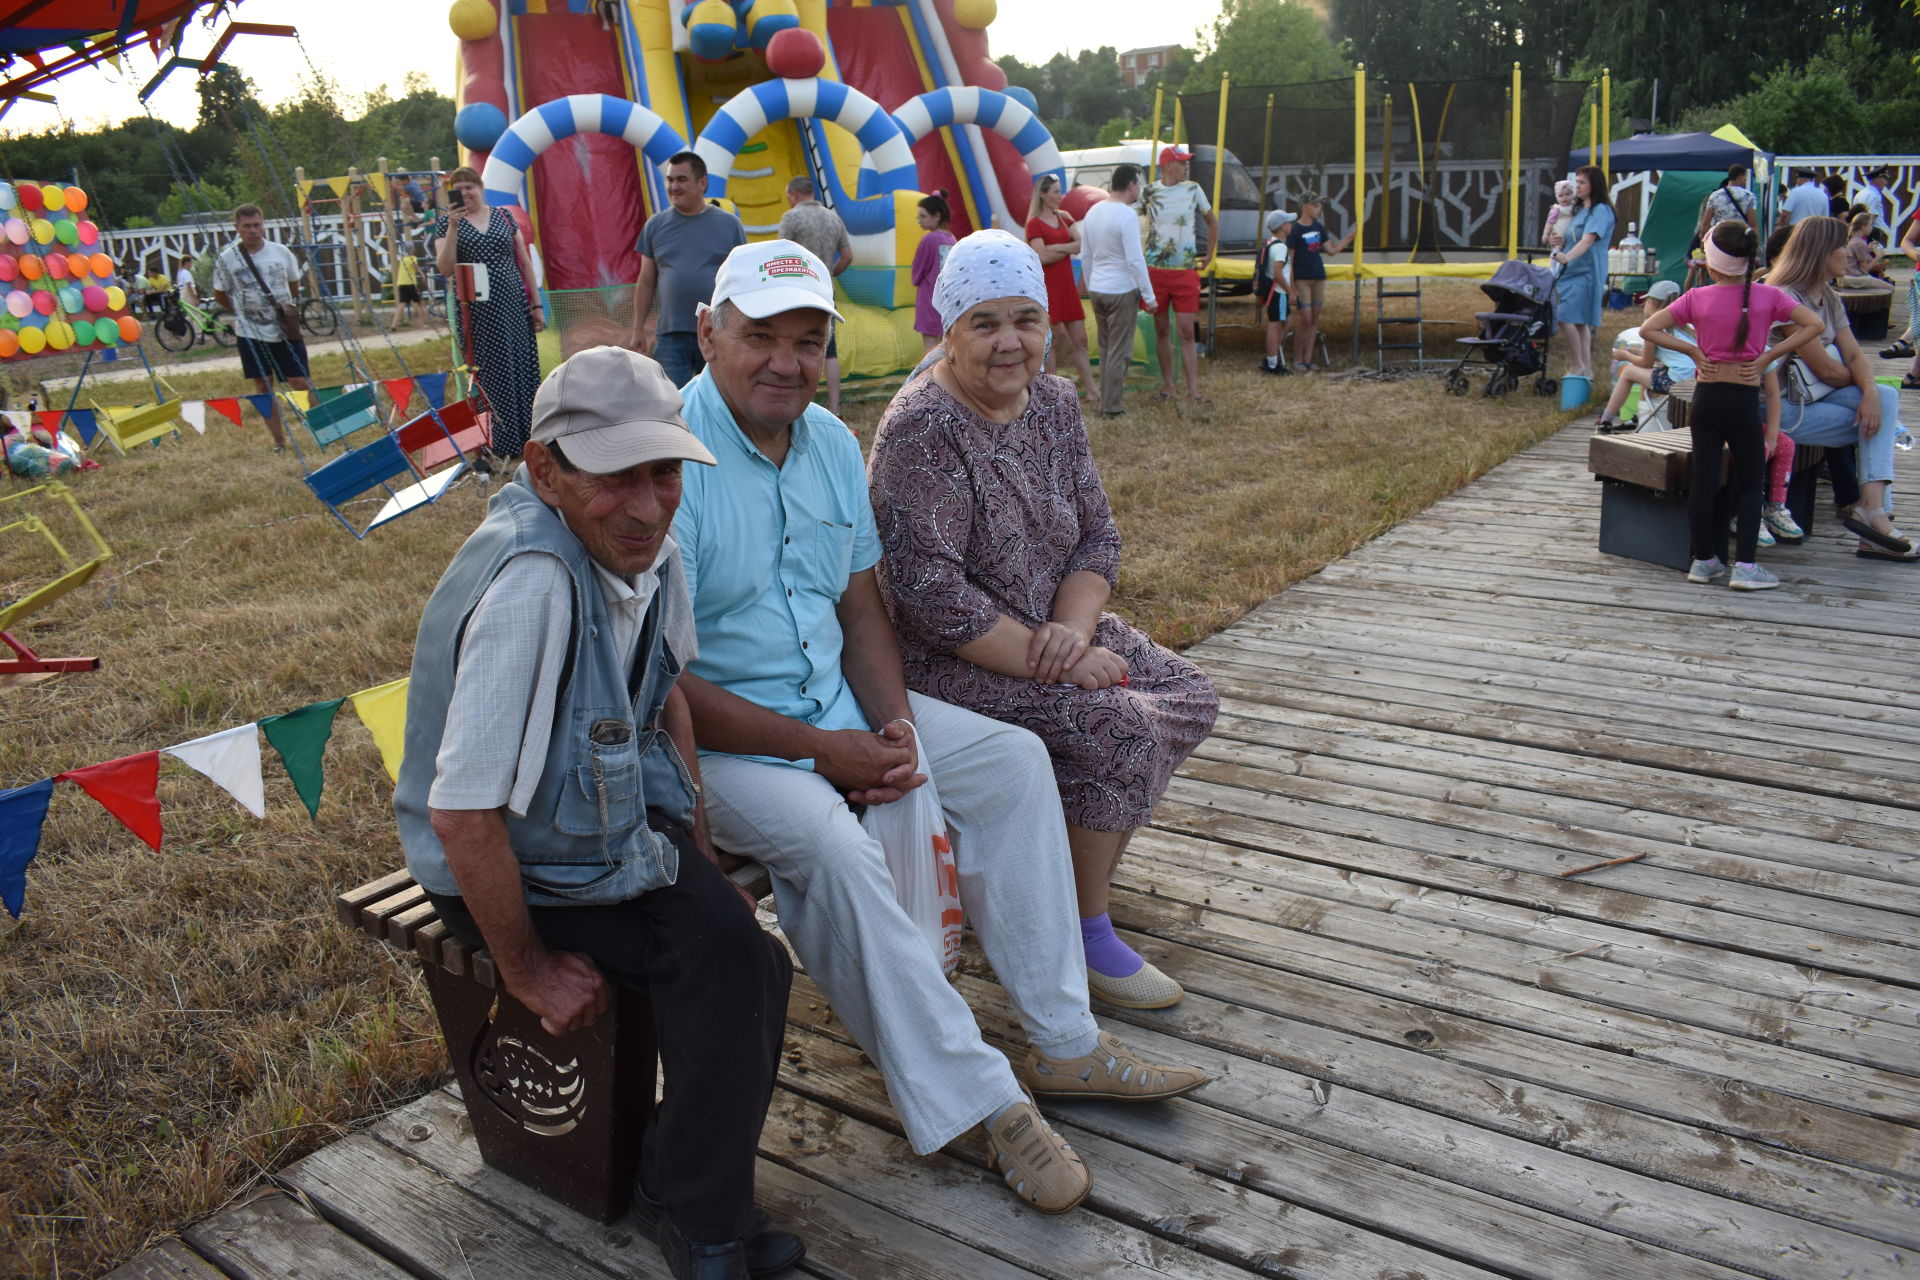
913	832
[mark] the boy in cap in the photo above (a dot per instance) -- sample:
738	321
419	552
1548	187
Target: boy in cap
1272	285
549	801
1641	364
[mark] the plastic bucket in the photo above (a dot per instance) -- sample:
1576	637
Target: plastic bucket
1574	391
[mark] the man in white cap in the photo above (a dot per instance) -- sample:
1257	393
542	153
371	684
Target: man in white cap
800	706
549	804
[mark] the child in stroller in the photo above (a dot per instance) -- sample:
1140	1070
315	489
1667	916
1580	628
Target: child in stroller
1514	335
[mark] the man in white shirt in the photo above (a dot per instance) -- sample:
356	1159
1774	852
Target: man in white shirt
1176	209
1879	202
1117	281
253	278
1806	200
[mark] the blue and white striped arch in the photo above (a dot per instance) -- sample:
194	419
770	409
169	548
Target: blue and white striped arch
990	109
548	123
754	108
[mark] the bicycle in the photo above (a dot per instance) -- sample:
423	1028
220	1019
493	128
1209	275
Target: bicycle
318	317
182	323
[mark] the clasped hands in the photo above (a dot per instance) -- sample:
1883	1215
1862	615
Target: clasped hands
1059	653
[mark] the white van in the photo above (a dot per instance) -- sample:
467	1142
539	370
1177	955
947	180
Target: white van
1239	210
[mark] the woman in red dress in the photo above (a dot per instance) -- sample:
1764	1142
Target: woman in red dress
1055	236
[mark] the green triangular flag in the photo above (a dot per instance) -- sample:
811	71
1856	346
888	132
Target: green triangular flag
301	739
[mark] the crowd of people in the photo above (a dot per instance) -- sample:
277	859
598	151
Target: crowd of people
1762	334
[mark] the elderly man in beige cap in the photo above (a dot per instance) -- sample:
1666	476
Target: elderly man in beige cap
548	801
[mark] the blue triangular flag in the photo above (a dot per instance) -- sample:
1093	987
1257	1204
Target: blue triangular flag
84	422
262	405
22	811
434	387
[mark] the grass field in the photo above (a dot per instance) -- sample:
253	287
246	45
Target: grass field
178	1023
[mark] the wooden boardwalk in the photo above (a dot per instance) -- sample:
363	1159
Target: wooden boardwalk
1435	1056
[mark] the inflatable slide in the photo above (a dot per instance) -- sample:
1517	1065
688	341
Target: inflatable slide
569	108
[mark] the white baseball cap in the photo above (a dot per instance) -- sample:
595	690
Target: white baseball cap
772	277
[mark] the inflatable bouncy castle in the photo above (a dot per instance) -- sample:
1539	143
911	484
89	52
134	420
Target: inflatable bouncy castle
569	109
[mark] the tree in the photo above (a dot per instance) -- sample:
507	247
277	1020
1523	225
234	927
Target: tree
1264	42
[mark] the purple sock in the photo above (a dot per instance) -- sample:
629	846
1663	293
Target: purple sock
1106	954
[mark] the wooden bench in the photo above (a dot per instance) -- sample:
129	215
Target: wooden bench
1645	480
563	1114
1868	311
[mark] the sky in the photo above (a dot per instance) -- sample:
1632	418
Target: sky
363	44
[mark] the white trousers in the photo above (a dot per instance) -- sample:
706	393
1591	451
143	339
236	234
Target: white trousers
838	908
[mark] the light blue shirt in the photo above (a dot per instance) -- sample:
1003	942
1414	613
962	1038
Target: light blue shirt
1806	200
768	552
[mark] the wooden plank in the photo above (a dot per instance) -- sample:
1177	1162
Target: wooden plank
433	1227
1593	978
845	1235
347	905
1484	928
168	1260
275	1236
1380	1195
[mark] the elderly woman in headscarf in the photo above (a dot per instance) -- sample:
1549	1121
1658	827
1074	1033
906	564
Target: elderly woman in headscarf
1000	553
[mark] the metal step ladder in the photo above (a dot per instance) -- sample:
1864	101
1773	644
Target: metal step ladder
1382	322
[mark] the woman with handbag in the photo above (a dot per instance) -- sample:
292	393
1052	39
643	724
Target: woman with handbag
1832	398
999	555
499	328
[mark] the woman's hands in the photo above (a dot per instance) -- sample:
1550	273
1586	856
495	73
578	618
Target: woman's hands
1098	668
1053	648
1867	416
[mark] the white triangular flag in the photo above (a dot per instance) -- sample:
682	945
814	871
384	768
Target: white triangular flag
232	759
194	414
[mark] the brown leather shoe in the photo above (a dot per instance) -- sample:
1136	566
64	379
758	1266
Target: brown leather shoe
1112	1071
1036	1162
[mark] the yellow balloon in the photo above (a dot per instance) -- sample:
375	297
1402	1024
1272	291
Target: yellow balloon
116	297
473	19
59	335
33	341
56	197
975	15
42	231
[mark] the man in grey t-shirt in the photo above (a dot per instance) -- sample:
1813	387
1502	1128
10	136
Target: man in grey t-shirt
812	225
680	250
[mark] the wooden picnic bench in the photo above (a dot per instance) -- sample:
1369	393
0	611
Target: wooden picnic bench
1645	479
563	1114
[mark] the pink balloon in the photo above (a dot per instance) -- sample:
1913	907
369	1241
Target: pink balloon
16	231
88	232
44	303
19	303
94	298
8	268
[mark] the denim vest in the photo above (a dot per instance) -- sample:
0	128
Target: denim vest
585	838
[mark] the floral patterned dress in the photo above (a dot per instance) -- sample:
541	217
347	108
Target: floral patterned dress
978	519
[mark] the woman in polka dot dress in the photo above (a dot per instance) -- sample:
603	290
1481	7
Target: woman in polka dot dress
505	360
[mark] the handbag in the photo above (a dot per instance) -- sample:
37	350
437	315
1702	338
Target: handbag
912	831
289	315
1801	385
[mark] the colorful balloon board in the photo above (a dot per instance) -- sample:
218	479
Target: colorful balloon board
53	297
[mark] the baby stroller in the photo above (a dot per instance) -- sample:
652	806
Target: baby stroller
1513	336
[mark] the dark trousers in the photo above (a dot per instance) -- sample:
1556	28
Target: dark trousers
1726	414
679	356
718	984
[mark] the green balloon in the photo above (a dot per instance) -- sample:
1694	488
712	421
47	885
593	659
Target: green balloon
82	333
66	231
106	333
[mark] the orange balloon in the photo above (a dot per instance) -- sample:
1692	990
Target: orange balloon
129	329
9	344
31	267
76	199
78	265
102	265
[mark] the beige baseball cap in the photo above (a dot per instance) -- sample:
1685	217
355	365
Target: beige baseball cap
773	277
609	408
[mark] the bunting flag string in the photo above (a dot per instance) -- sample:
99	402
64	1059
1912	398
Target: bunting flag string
23	811
302	400
262	404
301	739
126	788
194	414
227	407
230	758
434	387
383	709
400	391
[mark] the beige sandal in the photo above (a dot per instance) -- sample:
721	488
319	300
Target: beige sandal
1035	1161
1112	1071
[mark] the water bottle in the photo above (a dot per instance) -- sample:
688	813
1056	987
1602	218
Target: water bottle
1903	439
1632	251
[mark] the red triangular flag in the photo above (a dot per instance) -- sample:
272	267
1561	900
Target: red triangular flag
126	789
227	407
50	418
33	56
401	389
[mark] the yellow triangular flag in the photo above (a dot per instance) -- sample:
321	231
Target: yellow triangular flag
378	181
1731	133
339	186
383	709
302	400
306	190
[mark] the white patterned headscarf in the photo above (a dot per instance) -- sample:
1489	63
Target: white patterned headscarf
987	265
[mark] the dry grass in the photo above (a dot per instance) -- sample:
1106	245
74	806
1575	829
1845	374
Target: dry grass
178	1023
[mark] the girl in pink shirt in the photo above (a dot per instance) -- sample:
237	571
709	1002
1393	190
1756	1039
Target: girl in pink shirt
927	260
1730	319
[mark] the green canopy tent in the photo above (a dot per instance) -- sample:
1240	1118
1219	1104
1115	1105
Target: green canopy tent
1671	220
